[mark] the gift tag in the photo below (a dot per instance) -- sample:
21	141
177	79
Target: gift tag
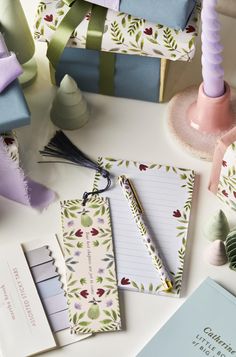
92	290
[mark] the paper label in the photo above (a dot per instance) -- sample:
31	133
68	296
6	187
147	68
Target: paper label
91	276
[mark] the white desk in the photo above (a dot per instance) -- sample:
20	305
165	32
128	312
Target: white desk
123	129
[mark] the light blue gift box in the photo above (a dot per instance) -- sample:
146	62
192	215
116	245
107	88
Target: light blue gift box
135	77
14	111
171	13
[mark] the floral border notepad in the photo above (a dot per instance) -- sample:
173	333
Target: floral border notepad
165	193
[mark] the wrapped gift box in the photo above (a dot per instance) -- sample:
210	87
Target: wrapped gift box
133	77
14	109
111	31
223	175
171	13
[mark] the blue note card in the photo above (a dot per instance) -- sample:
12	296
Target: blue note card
203	326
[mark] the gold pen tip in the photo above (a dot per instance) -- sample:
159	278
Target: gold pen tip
168	286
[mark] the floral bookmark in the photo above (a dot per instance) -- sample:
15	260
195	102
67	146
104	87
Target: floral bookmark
92	290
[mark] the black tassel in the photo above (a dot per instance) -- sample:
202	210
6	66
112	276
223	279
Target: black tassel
61	147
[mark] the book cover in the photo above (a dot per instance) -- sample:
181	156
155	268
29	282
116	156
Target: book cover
203	326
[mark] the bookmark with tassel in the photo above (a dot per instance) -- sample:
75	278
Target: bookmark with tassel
88	247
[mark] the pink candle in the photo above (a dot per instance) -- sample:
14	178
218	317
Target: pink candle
212	71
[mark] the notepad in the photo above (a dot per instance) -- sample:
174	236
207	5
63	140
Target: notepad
165	193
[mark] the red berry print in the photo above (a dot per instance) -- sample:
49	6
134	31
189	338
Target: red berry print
190	29
100	292
84	293
94	232
148	31
143	167
225	193
177	213
48	18
79	233
125	281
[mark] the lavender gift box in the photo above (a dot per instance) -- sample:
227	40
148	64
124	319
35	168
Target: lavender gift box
13	107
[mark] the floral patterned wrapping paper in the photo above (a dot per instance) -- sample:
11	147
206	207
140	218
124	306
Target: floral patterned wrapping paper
12	145
123	33
92	290
226	189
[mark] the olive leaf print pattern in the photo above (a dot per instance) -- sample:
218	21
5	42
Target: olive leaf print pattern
179	179
92	291
227	181
123	33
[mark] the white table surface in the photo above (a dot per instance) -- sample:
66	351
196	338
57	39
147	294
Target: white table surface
129	129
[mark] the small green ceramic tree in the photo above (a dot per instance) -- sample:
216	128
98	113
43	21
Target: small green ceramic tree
69	110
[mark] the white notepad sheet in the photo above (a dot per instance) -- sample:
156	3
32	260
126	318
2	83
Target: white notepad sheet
165	194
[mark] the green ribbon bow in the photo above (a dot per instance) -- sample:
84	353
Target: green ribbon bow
78	10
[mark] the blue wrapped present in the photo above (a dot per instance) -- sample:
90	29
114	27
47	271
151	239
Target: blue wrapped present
132	77
171	13
14	111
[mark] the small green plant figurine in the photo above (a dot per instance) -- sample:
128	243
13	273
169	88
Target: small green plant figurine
69	110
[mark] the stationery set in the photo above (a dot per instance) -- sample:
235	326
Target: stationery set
130	230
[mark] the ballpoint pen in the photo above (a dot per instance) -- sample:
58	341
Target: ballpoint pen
137	213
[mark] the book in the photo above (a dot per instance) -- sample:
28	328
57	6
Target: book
165	194
203	326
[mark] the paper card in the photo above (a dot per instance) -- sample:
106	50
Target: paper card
91	276
165	194
24	329
124	33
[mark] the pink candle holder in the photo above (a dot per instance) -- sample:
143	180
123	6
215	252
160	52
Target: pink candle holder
211	115
198	121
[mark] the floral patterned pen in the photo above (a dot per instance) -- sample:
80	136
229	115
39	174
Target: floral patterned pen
137	213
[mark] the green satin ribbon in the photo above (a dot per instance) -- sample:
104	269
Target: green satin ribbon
94	42
72	19
96	28
107	73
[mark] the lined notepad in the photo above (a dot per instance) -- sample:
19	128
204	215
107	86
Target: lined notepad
165	193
